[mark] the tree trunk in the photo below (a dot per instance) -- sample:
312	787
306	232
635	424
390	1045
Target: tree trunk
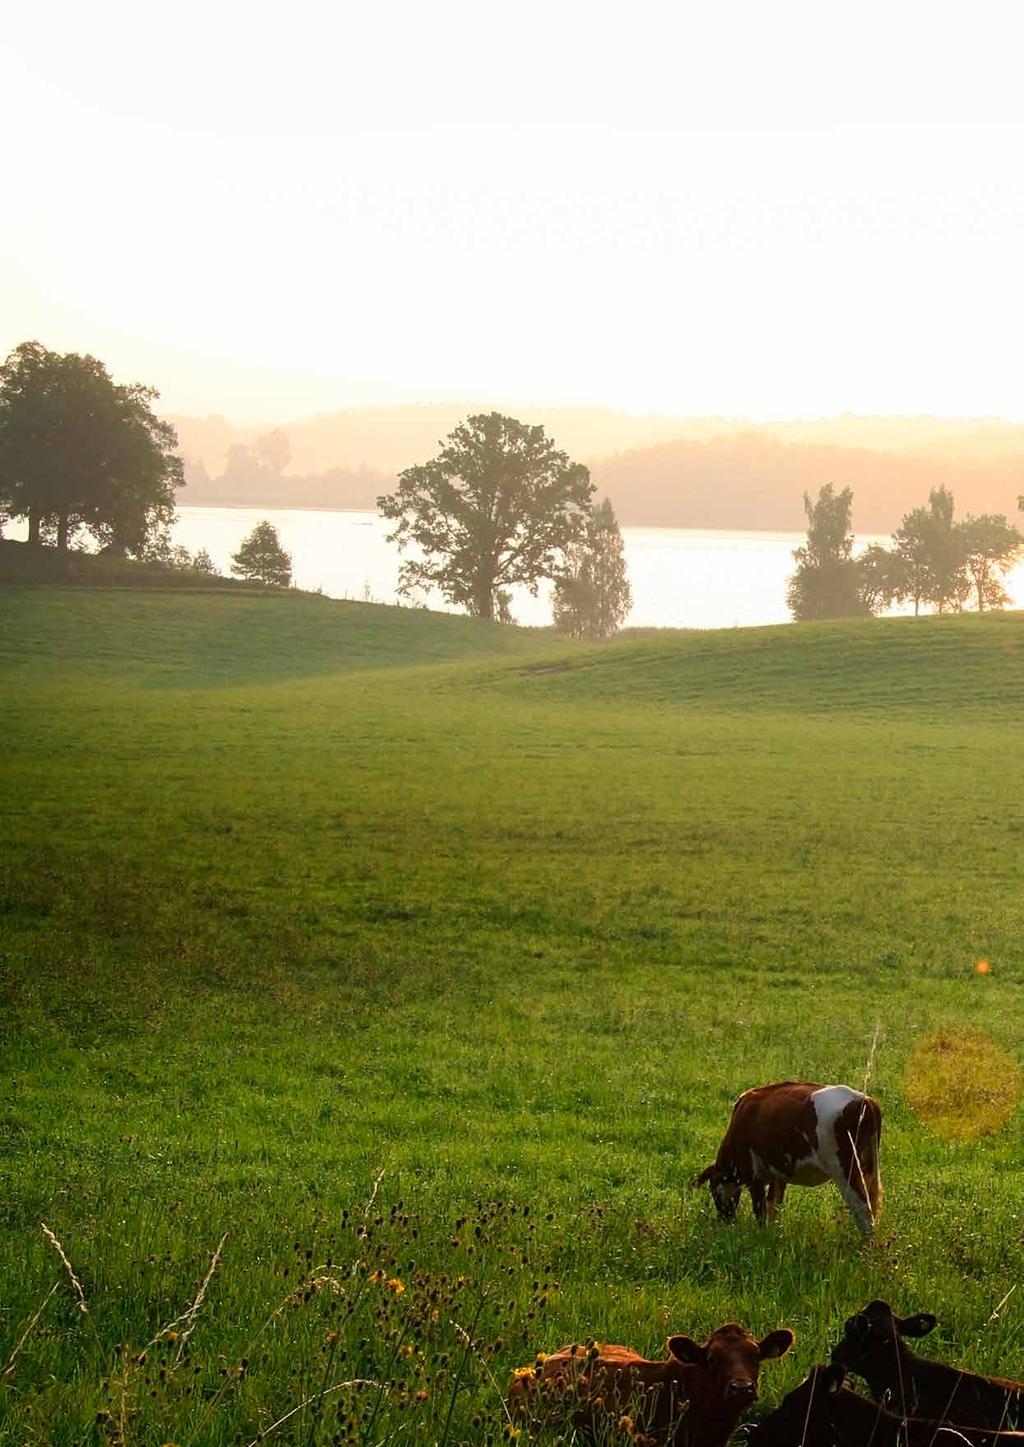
33	526
63	529
483	599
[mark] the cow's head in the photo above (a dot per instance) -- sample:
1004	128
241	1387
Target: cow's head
725	1188
875	1333
803	1414
729	1361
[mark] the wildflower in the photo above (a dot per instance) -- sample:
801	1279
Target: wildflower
627	1424
405	1351
376	1276
396	1286
524	1374
512	1433
421	1395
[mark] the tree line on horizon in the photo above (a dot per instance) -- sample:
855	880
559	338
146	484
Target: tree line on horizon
84	458
498	507
933	561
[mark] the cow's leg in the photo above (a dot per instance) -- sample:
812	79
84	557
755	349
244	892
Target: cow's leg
757	1201
776	1196
853	1187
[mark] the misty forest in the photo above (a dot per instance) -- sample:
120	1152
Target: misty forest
511	578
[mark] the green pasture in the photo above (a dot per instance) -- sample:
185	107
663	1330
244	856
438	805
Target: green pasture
310	908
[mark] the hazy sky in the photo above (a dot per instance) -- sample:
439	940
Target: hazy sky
764	209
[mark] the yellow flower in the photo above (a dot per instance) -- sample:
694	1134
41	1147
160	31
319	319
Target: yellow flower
396	1286
522	1374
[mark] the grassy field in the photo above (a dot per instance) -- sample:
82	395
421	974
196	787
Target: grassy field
425	959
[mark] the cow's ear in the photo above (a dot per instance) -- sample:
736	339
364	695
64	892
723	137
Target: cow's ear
919	1325
776	1344
705	1175
832	1377
687	1351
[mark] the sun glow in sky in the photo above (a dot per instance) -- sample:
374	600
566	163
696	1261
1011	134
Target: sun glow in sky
750	209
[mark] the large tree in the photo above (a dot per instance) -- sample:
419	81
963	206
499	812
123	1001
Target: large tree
499	505
78	449
825	583
592	595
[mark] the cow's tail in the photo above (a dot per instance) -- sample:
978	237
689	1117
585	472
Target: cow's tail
868	1148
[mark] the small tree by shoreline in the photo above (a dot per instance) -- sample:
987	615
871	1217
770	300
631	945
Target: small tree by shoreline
262	559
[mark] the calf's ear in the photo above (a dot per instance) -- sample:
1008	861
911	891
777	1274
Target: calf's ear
776	1343
705	1175
832	1377
919	1325
687	1351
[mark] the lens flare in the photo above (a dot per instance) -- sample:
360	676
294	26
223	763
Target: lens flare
961	1083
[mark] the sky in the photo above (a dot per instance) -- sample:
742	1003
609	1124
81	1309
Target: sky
784	210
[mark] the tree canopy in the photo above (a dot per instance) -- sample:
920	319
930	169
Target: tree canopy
262	559
940	562
79	450
498	506
825	583
592	595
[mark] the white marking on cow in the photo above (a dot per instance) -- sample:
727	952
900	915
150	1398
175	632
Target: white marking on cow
829	1104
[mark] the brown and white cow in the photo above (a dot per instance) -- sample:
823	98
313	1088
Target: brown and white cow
694	1398
802	1134
873	1346
822	1412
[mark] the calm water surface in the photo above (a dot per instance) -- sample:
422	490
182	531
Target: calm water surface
681	577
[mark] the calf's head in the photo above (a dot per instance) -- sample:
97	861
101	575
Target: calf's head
872	1336
725	1188
803	1414
729	1362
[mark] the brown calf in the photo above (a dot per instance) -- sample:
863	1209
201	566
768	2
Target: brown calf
694	1398
798	1133
873	1347
821	1412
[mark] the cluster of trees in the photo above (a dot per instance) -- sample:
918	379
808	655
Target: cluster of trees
80	451
933	560
500	506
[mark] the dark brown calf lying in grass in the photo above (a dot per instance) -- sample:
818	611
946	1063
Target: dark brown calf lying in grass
821	1412
873	1347
694	1398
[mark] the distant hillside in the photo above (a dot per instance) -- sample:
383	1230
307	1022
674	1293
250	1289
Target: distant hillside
753	480
660	471
386	439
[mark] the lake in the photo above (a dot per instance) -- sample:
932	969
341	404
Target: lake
681	577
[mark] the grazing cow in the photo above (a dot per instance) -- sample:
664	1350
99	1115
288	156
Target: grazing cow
822	1412
694	1398
873	1347
795	1133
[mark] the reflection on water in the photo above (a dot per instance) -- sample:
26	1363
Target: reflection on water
681	577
